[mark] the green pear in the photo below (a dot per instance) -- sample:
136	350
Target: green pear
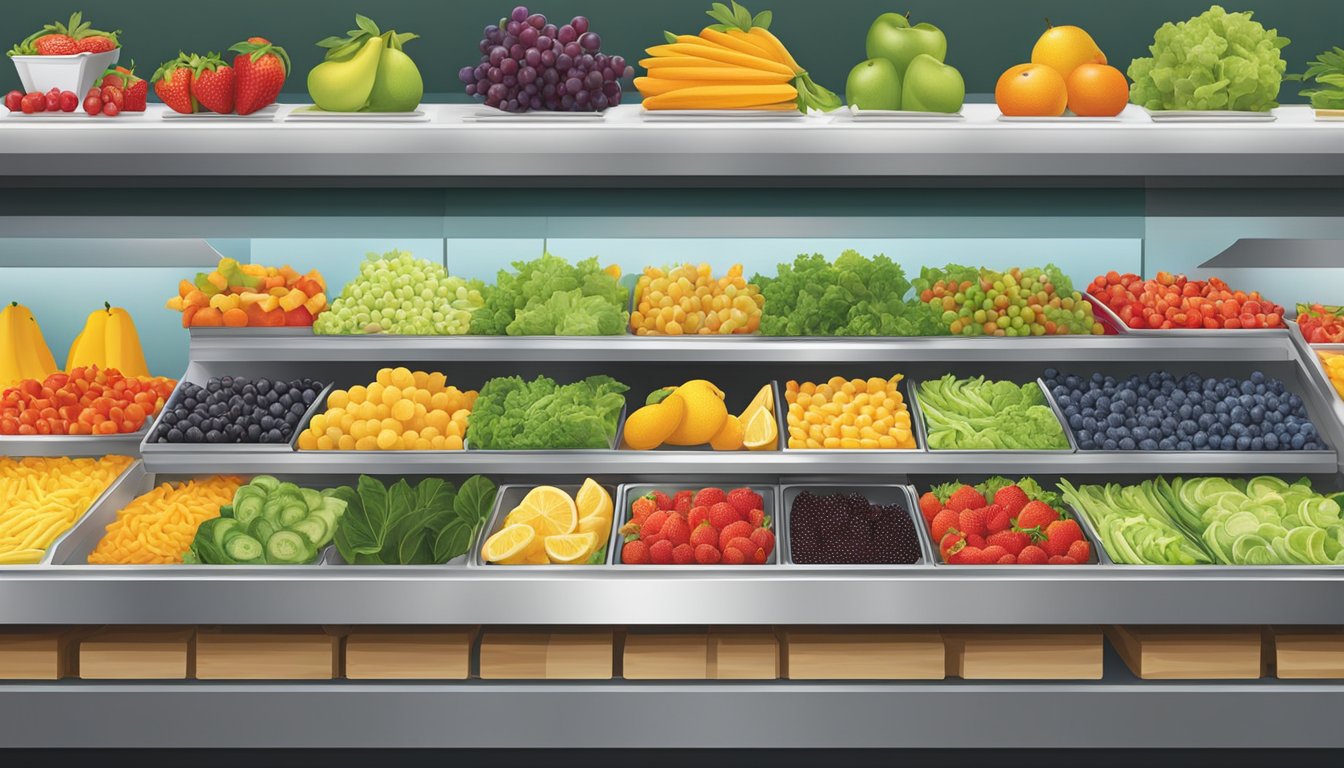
932	86
891	37
398	86
344	85
874	84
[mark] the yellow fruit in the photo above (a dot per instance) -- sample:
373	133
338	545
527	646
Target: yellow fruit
593	499
705	413
729	437
650	426
854	414
554	509
763	399
571	548
1066	48
510	545
595	524
761	433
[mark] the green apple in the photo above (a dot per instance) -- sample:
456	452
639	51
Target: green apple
932	86
874	84
891	37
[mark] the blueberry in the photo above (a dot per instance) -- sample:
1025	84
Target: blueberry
1240	415
1257	444
253	432
1110	445
1075	422
1237	430
286	400
275	436
1115	420
189	403
309	396
1086	443
1271	442
1185	445
1051	373
1167	444
194	434
263	386
175	435
267	421
1148	445
1227	443
276	410
1127	444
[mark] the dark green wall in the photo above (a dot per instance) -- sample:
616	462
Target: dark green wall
985	36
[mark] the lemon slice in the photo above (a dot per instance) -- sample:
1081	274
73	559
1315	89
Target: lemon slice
761	433
592	499
571	548
765	399
549	510
509	545
597	525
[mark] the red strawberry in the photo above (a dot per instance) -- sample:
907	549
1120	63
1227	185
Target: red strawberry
740	529
683	554
1060	535
259	74
661	553
13	101
212	85
635	553
976	540
1032	555
750	552
723	514
1061	560
67	39
696	516
1011	498
972	521
993	554
757	518
56	45
97	44
662	500
676	530
137	95
763	538
707	554
1080	551
682	502
944	521
1036	514
929	506
1009	559
705	534
745	500
135	89
1013	541
965	497
968	555
950	540
112	93
653	524
172	84
641	508
708	497
734	557
997	518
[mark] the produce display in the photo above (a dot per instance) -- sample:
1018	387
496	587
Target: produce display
1068	72
109	340
905	69
516	415
853	414
529	63
366	71
400	524
1320	324
1133	524
1165	412
250	295
854	296
550	297
736	63
548	527
401	410
1333	362
999	522
689	300
847	529
1170	301
268	523
67	39
698	527
694	414
158	527
44	498
1214	61
970	301
1327	70
24	353
85	401
977	414
396	293
236	409
194	83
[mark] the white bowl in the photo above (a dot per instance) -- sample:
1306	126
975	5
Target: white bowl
75	73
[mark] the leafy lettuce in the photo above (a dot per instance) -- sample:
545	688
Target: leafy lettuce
978	414
428	524
516	415
550	297
855	296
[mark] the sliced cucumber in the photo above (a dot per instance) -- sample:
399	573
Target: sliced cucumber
242	547
221	528
288	547
292	513
314	529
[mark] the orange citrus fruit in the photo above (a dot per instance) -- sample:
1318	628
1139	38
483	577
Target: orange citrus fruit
1031	90
1097	90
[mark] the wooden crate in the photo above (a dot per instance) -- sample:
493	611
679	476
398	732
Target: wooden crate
817	653
1025	653
702	654
552	654
1190	653
267	653
409	653
39	653
138	653
1306	653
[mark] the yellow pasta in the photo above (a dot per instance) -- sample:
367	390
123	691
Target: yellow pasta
158	527
40	499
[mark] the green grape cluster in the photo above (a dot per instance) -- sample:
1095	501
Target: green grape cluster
396	293
966	301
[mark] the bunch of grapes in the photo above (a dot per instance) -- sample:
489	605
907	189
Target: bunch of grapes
527	63
397	293
1019	302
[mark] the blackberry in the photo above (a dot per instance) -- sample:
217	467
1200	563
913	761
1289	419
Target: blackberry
845	529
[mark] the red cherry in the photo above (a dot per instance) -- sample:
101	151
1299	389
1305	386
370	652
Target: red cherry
111	109
14	101
69	101
93	105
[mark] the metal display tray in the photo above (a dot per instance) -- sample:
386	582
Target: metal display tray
1099	308
782	416
629	491
876	494
110	495
152	448
1049	402
74	446
509	497
1322	378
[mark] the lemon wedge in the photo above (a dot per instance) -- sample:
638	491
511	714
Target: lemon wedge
761	433
571	548
510	545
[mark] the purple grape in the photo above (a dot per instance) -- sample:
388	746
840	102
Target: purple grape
590	41
471	89
586	61
581	98
495	75
548	59
551	76
519	13
532	58
567	34
544	43
573	50
549	30
618	63
593	80
528	37
508	67
563	62
467	74
510	80
527	75
580	24
513	28
567	102
536	21
599	102
517	51
497	55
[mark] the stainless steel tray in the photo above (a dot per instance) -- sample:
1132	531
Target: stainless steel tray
782	416
1099	308
148	446
1322	380
876	494
626	492
1049	402
509	497
73	446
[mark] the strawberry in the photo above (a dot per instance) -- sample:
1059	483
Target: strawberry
929	506
968	555
1011	498
662	501
763	538
705	534
972	521
1036	514
758	519
708	497
135	89
635	553
676	530
745	500
172	84
723	514
997	518
653	524
641	508
683	554
1080	551
682	501
1032	555
707	554
1009	559
949	541
696	516
212	84
965	497
733	557
1013	541
1060	535
56	45
67	39
661	553
976	540
1061	560
750	552
97	44
993	554
944	521
260	69
740	529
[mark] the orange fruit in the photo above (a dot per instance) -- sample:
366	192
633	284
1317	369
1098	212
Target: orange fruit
1097	90
1031	90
